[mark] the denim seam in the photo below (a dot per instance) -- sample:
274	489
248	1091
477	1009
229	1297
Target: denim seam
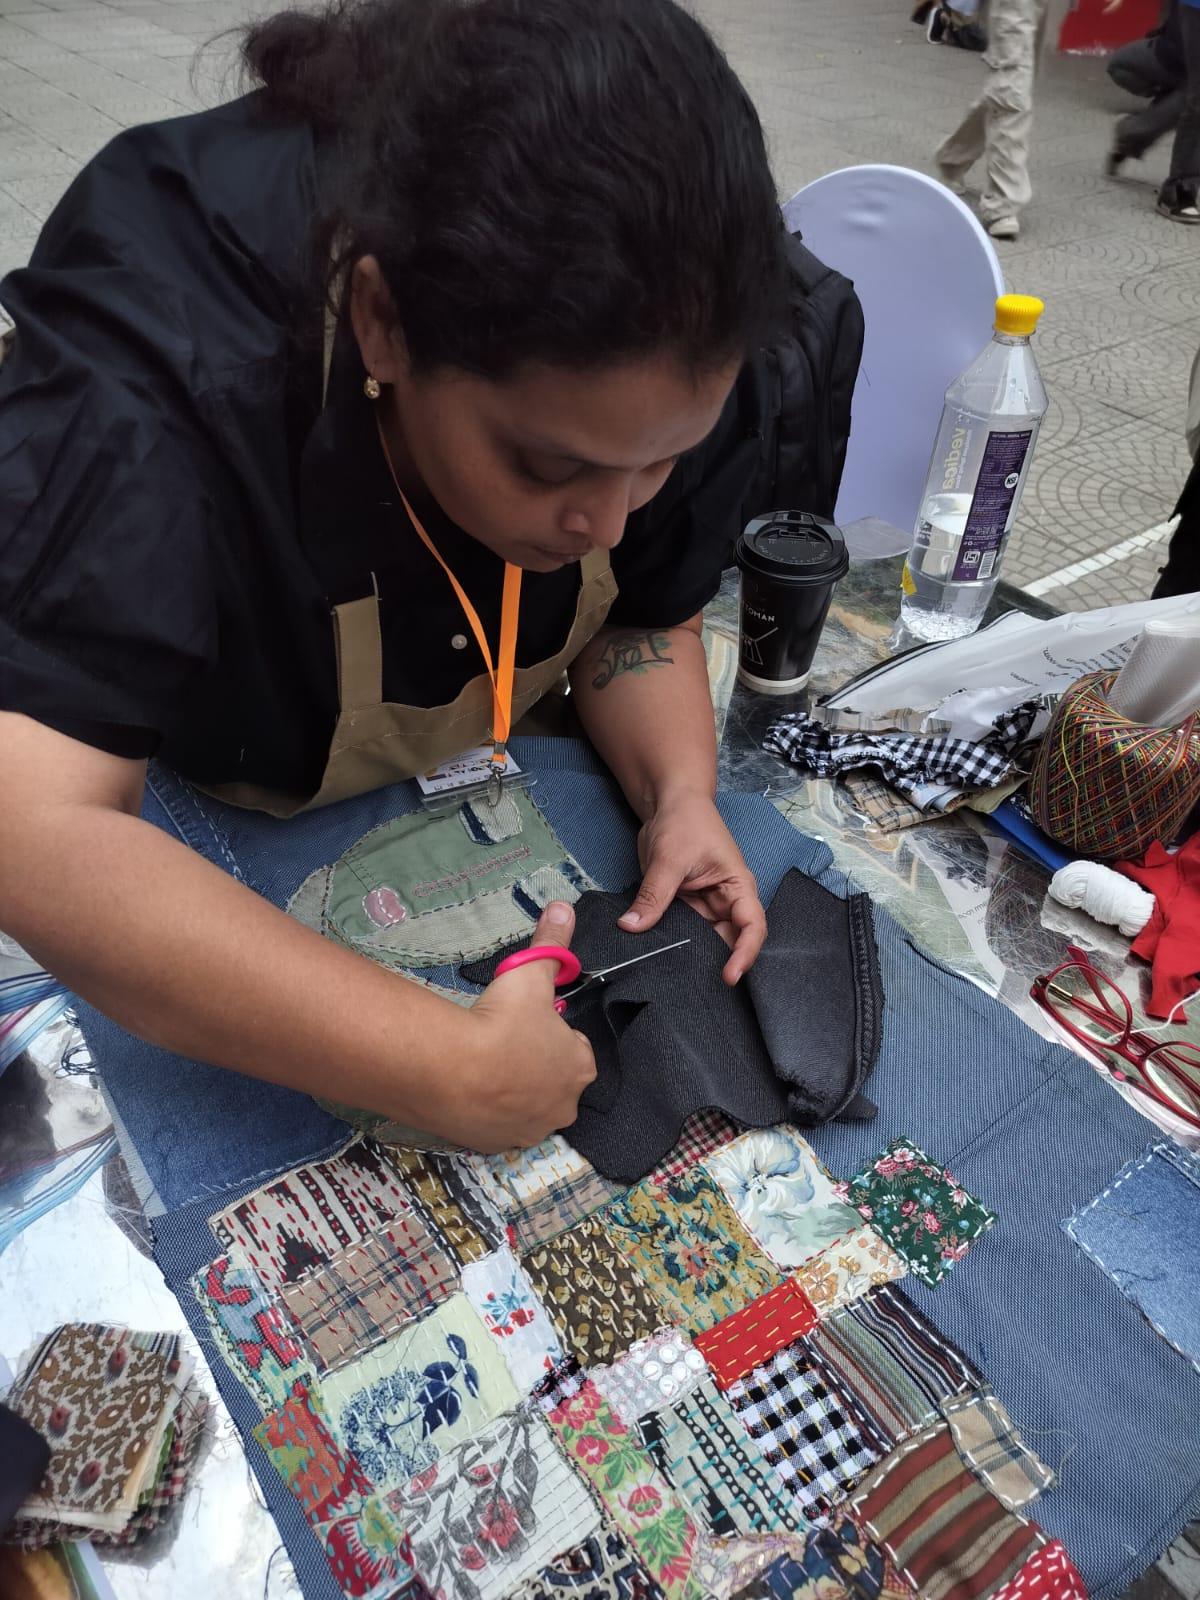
1093	1255
184	793
1017	1105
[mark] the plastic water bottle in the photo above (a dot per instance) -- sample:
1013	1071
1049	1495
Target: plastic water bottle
976	474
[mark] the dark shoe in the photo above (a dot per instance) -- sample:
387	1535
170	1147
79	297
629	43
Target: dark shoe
1113	162
939	19
1178	204
969	36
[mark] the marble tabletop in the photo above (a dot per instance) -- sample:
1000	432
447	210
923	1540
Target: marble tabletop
973	899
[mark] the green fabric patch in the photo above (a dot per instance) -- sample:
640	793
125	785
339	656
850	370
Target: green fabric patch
919	1208
419	864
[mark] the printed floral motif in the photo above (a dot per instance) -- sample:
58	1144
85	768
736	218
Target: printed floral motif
504	1298
919	1208
838	1563
501	1507
638	1499
848	1269
688	1245
368	1554
782	1193
399	1408
254	1337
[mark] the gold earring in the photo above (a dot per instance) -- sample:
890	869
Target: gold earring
371	387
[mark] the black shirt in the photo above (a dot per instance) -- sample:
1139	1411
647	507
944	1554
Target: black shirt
178	513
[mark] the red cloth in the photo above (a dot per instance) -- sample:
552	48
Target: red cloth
1048	1575
1171	939
756	1332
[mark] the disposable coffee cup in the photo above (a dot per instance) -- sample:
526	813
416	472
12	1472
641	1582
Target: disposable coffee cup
789	563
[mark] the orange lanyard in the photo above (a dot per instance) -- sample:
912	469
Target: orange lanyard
500	675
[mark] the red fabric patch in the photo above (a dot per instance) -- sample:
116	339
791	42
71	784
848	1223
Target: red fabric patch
1171	939
1049	1574
757	1332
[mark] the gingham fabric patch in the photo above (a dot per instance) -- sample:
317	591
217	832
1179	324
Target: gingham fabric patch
717	1471
947	1533
753	1335
368	1290
988	1442
703	1132
812	1440
891	1358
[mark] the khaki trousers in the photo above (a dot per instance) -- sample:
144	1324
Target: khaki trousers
999	124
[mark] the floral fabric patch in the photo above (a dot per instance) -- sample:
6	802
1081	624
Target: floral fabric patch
499	1508
703	1452
510	1311
600	1568
654	1373
921	1503
703	1132
637	1498
751	1336
812	1439
891	1358
783	1195
367	1553
303	1218
687	1243
398	1409
919	1208
452	1205
594	1297
259	1347
847	1270
368	1290
988	1442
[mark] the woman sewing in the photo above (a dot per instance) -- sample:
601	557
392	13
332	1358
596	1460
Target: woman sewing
549	238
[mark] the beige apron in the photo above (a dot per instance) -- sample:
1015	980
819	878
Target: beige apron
377	743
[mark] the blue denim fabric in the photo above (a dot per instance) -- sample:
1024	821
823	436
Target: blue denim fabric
1025	1125
1144	1232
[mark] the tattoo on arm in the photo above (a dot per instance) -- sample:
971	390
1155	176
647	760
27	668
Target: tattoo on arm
630	650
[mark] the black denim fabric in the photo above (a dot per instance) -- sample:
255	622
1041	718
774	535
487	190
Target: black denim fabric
793	1042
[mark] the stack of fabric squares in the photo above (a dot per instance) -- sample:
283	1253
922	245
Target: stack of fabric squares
124	1422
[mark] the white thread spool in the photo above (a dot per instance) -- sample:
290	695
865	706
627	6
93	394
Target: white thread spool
1103	894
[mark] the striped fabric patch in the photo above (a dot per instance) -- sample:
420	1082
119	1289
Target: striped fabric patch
891	1359
753	1335
948	1534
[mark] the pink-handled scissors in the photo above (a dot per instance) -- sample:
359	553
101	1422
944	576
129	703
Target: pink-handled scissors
570	970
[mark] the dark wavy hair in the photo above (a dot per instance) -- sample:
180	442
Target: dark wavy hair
575	182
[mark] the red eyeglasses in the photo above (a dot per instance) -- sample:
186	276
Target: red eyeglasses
1101	1019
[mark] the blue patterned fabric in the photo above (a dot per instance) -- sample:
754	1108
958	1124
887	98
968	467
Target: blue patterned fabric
1024	1125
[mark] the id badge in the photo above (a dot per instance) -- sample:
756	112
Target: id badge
466	777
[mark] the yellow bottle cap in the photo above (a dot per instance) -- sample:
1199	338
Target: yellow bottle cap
1018	313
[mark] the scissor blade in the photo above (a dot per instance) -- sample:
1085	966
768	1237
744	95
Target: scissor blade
647	955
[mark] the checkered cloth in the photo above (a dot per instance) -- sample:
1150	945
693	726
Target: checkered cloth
908	761
807	1435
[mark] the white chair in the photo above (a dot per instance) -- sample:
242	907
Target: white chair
928	277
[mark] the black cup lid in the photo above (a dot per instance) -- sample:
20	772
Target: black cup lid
794	547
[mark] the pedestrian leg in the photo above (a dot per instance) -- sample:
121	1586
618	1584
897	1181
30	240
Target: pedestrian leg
1178	195
1014	43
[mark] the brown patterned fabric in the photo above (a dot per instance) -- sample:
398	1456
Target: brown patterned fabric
595	1299
453	1205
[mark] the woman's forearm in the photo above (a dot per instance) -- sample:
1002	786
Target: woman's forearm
644	701
186	957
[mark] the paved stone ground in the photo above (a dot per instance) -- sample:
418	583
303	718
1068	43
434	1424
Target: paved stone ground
838	82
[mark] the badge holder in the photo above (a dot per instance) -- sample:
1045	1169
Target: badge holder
469	776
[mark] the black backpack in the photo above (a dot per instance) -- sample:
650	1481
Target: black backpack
781	441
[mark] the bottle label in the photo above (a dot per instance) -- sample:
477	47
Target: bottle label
991	506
